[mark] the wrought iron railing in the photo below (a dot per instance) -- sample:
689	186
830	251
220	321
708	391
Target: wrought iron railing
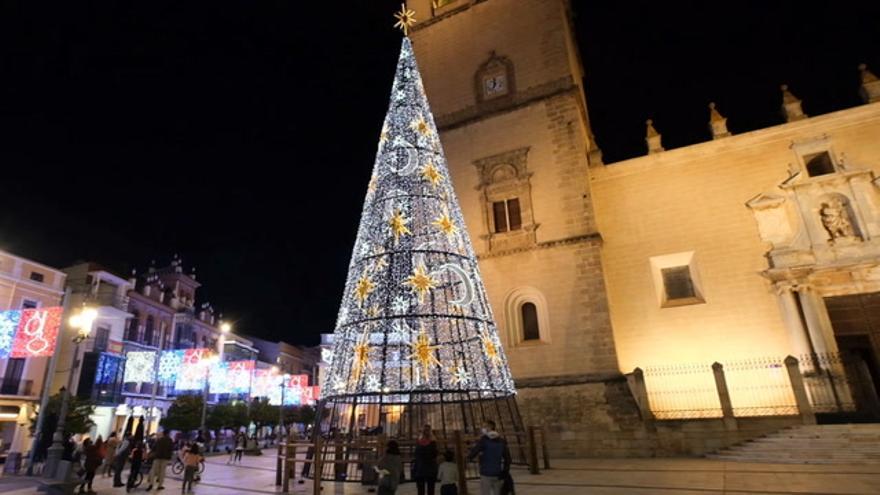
756	387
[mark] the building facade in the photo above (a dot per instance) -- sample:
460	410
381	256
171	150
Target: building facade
745	247
24	284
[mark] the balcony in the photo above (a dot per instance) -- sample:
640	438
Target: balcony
17	387
109	299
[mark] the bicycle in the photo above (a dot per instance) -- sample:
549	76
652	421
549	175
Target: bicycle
177	466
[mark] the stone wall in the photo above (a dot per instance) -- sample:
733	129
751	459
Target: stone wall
597	417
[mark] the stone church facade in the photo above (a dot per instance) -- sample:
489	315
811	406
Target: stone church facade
723	250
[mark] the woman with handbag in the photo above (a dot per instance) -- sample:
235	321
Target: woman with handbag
390	467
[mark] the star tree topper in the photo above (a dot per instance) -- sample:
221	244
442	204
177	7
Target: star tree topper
405	19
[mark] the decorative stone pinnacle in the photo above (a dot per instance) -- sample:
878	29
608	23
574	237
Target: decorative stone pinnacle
653	138
791	105
717	123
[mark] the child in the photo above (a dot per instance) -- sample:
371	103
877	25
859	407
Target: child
448	474
190	466
137	459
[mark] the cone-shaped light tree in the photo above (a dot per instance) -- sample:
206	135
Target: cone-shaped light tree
415	327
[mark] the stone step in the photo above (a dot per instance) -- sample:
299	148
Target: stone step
810	444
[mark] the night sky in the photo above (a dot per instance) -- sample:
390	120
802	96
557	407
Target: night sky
241	135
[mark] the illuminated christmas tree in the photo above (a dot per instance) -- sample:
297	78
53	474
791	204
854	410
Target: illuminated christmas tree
415	340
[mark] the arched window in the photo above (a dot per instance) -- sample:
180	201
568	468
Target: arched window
525	317
148	330
530	322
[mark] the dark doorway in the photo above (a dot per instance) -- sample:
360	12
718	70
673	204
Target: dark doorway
856	323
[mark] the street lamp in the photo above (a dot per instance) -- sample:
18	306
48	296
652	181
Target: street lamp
209	362
285	379
82	323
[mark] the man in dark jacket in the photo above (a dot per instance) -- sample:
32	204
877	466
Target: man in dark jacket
161	455
494	459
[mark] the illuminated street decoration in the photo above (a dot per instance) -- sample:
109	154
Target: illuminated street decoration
193	369
169	365
37	333
8	325
108	369
240	376
414	318
218	381
140	366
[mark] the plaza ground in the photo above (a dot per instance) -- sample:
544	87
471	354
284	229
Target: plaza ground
256	475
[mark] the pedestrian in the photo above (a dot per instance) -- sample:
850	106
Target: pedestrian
240	443
162	451
137	460
119	460
494	459
191	460
424	467
390	468
447	473
91	461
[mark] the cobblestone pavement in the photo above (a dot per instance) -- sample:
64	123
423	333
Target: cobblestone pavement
256	475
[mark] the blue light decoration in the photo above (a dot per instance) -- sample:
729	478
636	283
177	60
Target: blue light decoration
218	382
109	366
8	324
170	363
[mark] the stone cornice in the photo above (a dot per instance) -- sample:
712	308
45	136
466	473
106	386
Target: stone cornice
491	108
592	237
555	381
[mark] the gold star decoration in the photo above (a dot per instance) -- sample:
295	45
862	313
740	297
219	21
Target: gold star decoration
445	224
361	358
420	281
405	19
373	185
363	289
423	352
431	174
383	136
373	311
398	225
490	348
421	126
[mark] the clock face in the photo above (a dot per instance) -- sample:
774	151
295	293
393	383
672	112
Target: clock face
495	85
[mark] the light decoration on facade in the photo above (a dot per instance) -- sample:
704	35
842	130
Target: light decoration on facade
108	369
8	326
170	363
218	379
193	369
139	366
240	376
37	333
434	332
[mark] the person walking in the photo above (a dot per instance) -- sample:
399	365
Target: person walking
109	454
91	461
191	460
447	473
137	460
390	467
162	451
425	462
494	459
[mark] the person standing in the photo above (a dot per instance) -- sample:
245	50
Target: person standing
137	460
121	455
91	460
390	467
240	442
425	462
162	451
494	459
447	473
191	461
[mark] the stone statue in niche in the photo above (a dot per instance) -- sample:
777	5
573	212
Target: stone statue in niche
836	220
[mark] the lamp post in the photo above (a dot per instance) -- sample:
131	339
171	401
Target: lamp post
285	379
82	322
210	362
